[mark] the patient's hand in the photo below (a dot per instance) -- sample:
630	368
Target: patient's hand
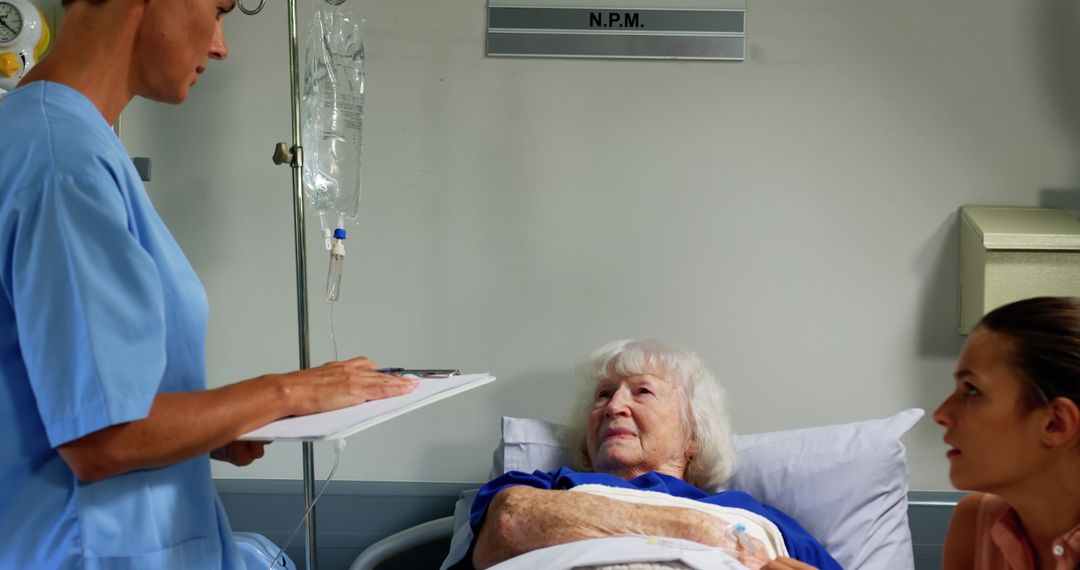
750	552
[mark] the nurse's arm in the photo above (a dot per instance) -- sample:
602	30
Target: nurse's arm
183	425
521	519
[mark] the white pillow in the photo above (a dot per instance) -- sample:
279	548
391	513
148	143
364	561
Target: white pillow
846	484
528	445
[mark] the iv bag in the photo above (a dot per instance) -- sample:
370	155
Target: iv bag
333	106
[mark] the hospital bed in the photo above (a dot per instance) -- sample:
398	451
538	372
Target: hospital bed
847	484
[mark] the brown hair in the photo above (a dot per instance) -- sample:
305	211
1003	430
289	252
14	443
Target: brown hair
1047	335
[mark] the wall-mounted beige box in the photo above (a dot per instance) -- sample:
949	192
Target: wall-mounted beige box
1011	253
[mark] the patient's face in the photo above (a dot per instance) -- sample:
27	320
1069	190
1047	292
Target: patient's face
635	426
993	437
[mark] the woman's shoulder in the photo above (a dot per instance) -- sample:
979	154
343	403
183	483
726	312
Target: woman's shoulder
966	513
967	523
974	506
977	512
980	511
969	504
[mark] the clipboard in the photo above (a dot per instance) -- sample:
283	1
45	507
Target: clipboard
339	424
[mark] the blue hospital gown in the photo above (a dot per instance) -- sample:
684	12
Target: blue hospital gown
800	545
101	312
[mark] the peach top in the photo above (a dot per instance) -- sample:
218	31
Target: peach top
1001	544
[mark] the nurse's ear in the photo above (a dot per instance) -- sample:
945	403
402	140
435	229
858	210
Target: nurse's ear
1062	423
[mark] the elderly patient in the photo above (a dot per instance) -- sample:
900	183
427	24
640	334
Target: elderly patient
653	419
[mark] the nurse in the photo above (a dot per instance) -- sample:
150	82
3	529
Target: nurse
1012	425
106	426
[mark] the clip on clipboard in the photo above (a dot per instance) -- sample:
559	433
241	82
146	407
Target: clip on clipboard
421	372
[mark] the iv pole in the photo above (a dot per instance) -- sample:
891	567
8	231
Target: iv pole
294	157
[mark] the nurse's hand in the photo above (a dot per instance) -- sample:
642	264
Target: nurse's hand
240	453
340	384
182	425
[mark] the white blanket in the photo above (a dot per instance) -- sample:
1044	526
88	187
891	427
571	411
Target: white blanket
656	552
622	551
753	524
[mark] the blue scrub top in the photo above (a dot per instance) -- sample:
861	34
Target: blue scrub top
101	311
800	545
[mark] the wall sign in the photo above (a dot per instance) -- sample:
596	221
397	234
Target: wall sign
610	32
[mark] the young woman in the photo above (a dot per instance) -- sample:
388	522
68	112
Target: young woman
1012	425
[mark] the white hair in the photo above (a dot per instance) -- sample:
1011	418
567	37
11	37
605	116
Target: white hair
704	404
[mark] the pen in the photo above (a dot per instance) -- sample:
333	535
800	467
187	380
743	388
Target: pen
421	372
444	373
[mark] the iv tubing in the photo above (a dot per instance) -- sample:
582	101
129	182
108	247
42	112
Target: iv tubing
339	446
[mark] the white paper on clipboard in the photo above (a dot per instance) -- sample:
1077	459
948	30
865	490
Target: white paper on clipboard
342	423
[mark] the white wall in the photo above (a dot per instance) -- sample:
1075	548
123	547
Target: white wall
791	217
